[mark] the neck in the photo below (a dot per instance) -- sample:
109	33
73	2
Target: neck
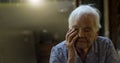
82	54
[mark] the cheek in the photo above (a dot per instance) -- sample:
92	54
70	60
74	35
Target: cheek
91	36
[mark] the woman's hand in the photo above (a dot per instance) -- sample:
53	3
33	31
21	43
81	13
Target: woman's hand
71	38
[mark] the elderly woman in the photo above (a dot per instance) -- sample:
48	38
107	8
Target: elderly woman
82	44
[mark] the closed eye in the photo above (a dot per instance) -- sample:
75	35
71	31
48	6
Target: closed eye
87	29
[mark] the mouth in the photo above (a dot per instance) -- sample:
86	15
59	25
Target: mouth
81	43
82	40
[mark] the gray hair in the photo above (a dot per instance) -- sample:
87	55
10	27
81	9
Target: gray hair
83	9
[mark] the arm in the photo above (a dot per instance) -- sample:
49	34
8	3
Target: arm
57	54
71	56
71	37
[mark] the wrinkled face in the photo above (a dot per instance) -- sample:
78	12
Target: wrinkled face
86	31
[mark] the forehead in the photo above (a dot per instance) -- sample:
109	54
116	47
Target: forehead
86	20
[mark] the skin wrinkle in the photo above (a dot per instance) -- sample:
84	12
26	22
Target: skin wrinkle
86	21
82	34
87	33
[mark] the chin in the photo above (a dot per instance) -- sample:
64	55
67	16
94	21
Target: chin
82	45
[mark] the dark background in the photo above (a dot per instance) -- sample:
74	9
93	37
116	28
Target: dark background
27	33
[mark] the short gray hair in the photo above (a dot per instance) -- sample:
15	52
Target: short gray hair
83	9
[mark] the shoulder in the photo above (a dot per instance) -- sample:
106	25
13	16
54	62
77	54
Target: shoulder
59	53
60	47
104	40
107	50
104	43
59	50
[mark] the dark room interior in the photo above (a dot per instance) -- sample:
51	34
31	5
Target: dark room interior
29	29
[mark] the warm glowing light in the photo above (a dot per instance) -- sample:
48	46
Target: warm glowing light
36	2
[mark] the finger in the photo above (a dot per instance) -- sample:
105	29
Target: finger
71	36
71	31
71	44
76	27
74	39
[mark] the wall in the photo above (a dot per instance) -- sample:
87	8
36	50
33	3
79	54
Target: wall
19	22
14	48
